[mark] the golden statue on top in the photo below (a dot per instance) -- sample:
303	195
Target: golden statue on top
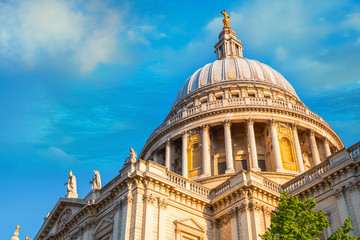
226	19
16	233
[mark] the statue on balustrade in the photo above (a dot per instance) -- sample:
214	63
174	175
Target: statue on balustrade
71	186
96	182
131	158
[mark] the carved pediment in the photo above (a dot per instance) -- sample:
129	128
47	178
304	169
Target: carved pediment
60	215
189	223
104	228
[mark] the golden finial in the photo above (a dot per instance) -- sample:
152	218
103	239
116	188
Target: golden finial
16	233
226	19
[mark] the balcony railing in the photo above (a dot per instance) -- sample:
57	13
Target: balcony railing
231	102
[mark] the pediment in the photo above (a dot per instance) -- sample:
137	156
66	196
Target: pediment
50	225
104	228
189	223
105	223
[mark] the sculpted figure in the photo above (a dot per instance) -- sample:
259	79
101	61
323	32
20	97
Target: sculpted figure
131	158
71	186
96	182
27	238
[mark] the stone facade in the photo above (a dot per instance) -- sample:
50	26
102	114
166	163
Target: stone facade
236	136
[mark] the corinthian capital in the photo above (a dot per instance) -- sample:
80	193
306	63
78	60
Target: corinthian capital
311	132
272	122
227	123
205	127
249	121
294	126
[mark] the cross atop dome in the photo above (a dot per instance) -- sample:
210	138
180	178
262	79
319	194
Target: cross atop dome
228	45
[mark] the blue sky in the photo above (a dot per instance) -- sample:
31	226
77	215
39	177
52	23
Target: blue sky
83	81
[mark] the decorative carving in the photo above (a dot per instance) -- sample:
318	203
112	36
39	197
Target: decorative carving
250	121
205	127
65	216
272	122
227	123
96	182
338	193
311	132
71	186
131	158
162	203
149	198
27	238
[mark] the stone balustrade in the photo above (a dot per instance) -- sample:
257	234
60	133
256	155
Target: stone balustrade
354	150
319	170
225	103
244	178
307	177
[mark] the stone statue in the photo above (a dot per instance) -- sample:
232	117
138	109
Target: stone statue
131	158
71	186
226	19
27	238
96	182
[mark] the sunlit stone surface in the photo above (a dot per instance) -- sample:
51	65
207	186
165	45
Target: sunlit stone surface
236	136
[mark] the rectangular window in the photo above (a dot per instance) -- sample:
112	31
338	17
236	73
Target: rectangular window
262	165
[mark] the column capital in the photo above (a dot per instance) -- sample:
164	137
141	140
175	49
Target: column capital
272	122
185	133
227	123
294	126
168	141
250	121
326	140
205	127
311	132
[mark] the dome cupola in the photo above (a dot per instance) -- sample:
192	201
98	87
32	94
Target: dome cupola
237	114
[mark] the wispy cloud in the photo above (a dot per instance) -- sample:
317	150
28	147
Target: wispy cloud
58	30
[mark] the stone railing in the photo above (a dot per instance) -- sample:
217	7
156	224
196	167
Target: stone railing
243	178
231	102
307	177
354	150
187	184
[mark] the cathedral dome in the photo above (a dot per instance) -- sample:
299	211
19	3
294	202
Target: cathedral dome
235	70
237	114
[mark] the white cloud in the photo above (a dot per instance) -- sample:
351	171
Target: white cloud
353	21
56	154
281	53
60	30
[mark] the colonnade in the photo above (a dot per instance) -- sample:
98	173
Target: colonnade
205	144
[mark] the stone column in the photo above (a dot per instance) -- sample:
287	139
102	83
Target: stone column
252	145
184	155
205	150
155	157
276	146
167	154
326	147
297	148
228	148
313	147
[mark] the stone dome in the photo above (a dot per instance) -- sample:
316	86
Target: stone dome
237	70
